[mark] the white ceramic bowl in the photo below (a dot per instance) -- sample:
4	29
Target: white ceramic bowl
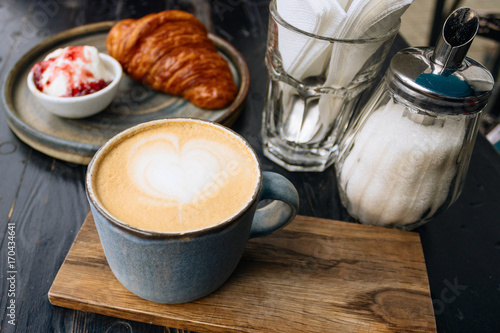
81	106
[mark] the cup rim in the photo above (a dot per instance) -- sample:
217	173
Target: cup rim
170	234
273	11
110	63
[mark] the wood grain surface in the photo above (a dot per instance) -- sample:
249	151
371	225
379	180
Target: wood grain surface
316	275
45	198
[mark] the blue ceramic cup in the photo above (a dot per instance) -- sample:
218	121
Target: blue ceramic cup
179	267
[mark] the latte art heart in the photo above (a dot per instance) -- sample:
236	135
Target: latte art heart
176	175
182	174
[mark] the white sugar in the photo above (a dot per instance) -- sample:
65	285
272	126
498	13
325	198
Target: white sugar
398	170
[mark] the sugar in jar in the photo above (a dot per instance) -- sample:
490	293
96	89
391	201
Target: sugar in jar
404	158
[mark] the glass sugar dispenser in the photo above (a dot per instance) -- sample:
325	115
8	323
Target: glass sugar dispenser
405	157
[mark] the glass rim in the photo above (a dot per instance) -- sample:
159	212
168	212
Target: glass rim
274	13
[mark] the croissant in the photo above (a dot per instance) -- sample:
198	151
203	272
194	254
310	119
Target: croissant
171	52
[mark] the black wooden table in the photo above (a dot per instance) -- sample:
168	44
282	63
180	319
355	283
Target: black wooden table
43	203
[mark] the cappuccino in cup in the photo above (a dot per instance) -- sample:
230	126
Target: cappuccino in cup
175	176
174	202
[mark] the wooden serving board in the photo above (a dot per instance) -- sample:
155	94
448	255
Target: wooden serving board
315	275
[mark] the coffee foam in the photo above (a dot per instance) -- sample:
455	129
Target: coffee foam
177	177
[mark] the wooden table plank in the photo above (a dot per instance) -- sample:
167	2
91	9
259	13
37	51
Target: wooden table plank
316	275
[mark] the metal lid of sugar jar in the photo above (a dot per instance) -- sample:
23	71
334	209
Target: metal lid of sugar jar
443	79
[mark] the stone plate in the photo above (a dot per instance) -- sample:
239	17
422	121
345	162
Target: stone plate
76	140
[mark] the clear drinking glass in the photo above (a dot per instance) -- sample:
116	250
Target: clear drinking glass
309	105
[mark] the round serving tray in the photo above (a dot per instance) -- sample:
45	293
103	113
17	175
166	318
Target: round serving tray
76	140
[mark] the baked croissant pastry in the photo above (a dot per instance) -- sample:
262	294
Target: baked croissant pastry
171	52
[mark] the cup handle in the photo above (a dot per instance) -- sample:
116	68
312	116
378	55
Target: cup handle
280	211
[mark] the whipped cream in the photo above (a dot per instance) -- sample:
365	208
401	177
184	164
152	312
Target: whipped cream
71	71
